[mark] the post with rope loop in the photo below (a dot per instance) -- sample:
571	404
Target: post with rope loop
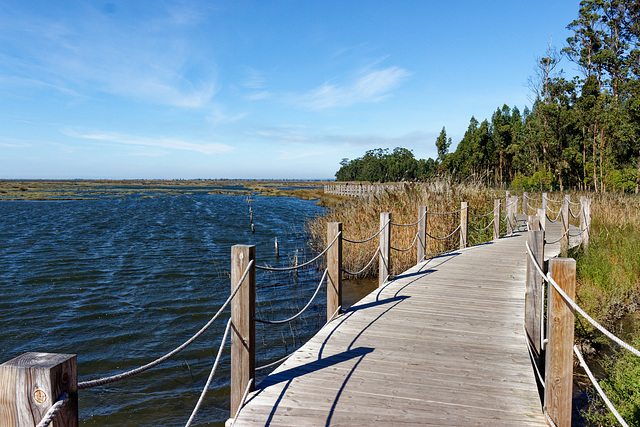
385	248
564	241
542	218
525	203
334	269
511	209
544	202
496	219
559	350
31	383
585	220
422	234
534	293
243	330
464	224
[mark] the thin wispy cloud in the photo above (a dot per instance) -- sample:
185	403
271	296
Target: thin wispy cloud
371	86
161	142
151	60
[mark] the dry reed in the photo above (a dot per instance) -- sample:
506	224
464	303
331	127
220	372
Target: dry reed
361	220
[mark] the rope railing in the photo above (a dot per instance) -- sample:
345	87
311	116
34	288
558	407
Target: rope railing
296	267
575	216
598	388
553	201
480	230
211	375
447	236
493	211
445	213
365	267
415	239
561	237
370	238
557	217
295	316
132	372
53	410
576	308
409	225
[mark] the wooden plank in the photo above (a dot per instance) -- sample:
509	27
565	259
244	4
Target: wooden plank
442	343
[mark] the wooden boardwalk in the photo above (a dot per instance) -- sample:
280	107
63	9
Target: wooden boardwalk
441	344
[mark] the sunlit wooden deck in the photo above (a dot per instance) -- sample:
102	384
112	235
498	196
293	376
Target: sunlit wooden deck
441	344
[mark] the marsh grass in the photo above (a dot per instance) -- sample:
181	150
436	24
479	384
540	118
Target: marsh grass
361	220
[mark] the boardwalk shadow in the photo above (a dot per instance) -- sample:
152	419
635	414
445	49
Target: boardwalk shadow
290	374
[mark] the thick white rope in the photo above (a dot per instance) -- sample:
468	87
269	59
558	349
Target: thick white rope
554	201
577	308
370	238
412	224
366	266
295	267
53	410
415	239
598	388
114	378
487	214
279	322
445	237
481	229
445	213
553	220
242	401
561	237
211	375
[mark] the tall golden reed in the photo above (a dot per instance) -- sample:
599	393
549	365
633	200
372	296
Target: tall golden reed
361	219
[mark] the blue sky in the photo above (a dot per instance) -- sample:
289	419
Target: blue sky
254	89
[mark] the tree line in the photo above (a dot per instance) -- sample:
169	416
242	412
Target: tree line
580	132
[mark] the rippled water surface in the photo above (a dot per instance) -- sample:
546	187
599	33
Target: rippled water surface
120	282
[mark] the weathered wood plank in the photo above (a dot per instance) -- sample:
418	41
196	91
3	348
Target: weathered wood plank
441	344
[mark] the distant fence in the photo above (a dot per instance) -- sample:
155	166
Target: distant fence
359	189
44	386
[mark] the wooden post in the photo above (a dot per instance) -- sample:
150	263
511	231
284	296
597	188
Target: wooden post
511	207
525	203
334	269
585	220
422	234
243	334
564	216
533	222
31	383
542	218
496	219
544	202
534	291
559	349
464	224
385	248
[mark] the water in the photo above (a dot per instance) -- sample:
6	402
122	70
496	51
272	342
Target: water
120	282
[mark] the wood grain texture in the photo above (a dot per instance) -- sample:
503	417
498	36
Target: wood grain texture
31	383
334	269
385	248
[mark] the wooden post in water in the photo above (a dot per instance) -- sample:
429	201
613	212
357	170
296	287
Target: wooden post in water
496	219
334	269
464	224
385	248
564	217
534	291
559	349
525	203
422	234
243	332
585	220
32	382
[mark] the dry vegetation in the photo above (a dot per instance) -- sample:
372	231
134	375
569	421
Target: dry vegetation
361	219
